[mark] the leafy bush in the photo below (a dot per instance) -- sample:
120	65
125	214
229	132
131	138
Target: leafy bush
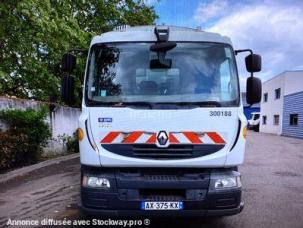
21	144
72	143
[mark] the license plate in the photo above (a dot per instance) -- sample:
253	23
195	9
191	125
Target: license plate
168	205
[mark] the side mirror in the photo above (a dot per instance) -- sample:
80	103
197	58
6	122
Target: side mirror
67	89
253	63
68	63
253	90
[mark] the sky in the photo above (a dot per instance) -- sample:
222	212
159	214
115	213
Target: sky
271	28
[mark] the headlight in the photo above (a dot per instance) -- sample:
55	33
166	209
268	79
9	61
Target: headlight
96	182
227	180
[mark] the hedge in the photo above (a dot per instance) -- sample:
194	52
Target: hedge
21	144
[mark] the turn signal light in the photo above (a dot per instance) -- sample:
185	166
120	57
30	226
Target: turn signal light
80	134
244	132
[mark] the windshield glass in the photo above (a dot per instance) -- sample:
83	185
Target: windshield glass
256	116
199	72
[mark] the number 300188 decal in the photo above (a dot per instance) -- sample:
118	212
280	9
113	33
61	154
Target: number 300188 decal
220	113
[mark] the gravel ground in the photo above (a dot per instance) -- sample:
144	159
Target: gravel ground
272	178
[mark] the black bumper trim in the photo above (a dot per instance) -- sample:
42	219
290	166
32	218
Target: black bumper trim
181	213
174	151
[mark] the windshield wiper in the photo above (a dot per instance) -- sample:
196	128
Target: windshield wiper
191	104
138	104
151	105
121	104
208	104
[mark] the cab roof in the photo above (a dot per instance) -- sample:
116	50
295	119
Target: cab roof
146	34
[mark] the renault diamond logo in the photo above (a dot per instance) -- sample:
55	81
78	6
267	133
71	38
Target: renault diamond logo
162	138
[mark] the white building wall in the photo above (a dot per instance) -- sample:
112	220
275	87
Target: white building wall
293	82
290	82
272	106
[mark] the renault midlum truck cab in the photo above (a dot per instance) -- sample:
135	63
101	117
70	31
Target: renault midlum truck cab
162	130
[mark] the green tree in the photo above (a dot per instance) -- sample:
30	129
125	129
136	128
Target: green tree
35	33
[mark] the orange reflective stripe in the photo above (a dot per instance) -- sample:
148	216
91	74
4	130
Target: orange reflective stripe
152	138
192	137
172	138
132	137
215	137
110	137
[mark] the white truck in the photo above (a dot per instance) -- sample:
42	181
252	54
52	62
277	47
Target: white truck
254	121
162	130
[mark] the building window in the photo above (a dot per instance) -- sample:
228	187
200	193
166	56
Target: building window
276	119
293	119
264	119
277	93
265	97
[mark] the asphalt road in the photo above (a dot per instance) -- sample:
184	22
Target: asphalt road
272	178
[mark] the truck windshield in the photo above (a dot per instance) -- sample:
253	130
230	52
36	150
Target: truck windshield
200	73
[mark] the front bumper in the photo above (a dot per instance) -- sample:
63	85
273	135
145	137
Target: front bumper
140	213
130	187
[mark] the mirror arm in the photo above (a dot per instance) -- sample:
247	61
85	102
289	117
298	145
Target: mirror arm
246	50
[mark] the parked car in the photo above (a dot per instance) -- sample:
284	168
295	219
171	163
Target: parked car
254	122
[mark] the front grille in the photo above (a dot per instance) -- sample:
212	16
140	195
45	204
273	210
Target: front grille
173	151
151	177
162	194
162	179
